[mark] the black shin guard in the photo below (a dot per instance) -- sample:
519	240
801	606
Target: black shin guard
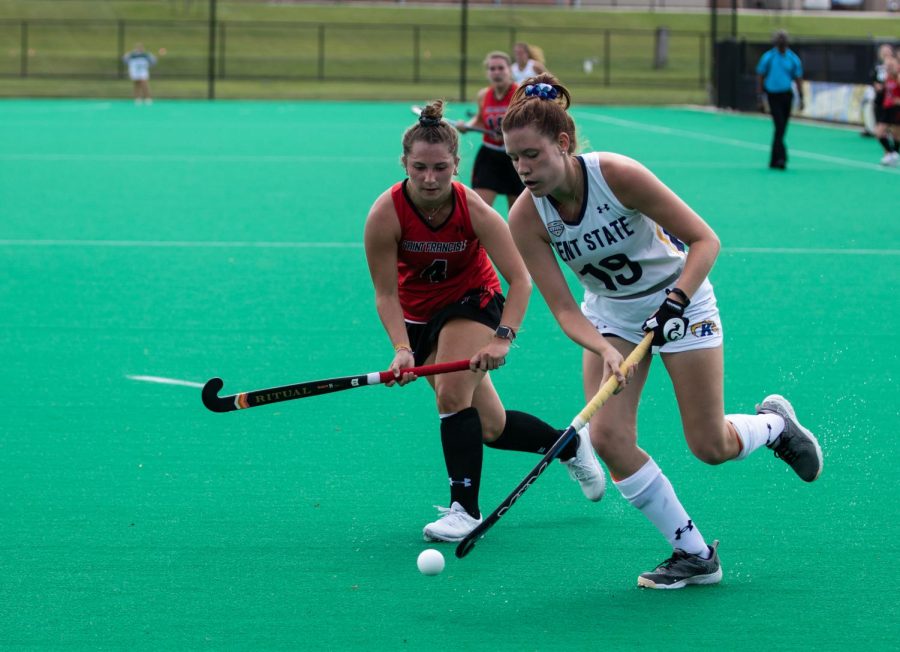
525	432
463	454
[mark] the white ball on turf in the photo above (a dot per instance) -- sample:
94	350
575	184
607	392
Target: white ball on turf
430	562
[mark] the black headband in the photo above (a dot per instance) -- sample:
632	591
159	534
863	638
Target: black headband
429	122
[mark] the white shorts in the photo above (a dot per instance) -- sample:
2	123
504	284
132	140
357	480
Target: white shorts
624	317
140	76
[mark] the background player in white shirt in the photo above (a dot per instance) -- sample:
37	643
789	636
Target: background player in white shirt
528	62
624	234
139	63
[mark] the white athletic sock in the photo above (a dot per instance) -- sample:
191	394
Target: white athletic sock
755	430
652	493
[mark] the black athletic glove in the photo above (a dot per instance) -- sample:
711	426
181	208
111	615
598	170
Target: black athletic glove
668	323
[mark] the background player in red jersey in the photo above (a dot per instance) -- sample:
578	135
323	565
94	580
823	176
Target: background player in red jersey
493	173
427	242
889	120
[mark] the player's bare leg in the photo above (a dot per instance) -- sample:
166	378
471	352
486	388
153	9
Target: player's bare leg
715	437
643	484
697	378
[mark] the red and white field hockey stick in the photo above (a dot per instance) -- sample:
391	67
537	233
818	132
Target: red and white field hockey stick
256	398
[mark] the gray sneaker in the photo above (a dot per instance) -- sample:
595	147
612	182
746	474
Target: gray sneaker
683	568
796	445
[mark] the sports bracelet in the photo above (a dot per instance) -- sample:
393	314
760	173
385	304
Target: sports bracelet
400	347
681	293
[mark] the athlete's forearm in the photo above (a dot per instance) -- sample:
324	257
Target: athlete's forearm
391	314
517	297
578	329
698	264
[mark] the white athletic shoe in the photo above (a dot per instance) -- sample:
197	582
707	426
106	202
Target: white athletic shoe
453	525
890	158
585	469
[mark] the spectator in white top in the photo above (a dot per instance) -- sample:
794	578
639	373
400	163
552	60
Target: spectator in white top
139	63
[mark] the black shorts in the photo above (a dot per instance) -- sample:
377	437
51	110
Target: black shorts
878	107
891	115
423	337
494	170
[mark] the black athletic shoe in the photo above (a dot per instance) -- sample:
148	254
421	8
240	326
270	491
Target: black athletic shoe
682	569
796	445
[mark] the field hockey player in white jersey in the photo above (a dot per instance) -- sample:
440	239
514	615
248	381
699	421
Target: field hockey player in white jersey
643	257
529	62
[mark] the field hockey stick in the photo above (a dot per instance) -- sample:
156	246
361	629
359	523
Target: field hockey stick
418	111
256	398
606	390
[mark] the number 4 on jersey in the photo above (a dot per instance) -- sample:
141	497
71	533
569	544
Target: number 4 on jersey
436	271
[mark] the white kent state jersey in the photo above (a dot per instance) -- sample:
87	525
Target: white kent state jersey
616	252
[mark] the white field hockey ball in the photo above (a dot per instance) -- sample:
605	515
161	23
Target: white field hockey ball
430	562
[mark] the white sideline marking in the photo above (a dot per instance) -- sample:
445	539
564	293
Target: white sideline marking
205	158
178	243
165	381
733	142
812	251
781	251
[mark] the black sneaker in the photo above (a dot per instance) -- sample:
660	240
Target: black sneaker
683	568
796	445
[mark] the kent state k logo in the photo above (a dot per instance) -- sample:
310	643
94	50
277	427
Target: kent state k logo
705	328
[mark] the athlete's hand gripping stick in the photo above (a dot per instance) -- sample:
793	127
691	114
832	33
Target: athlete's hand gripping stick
668	323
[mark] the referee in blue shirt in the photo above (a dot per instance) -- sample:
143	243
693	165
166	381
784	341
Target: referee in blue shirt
778	68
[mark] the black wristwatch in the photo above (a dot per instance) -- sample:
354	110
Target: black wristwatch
505	333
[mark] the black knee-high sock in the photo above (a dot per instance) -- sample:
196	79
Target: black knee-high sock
463	454
886	144
525	432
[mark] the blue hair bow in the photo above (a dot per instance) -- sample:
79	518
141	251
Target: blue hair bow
543	91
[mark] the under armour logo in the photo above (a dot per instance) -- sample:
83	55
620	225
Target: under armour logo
605	207
680	531
465	482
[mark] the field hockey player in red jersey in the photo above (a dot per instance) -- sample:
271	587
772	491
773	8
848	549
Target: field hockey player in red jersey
623	234
430	244
492	173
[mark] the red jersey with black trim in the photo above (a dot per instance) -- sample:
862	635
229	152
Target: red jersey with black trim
891	92
436	266
492	112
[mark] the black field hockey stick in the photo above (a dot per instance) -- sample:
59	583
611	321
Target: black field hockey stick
609	387
418	111
256	398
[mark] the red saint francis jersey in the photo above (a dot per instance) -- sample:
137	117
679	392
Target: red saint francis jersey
492	112
436	266
891	92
